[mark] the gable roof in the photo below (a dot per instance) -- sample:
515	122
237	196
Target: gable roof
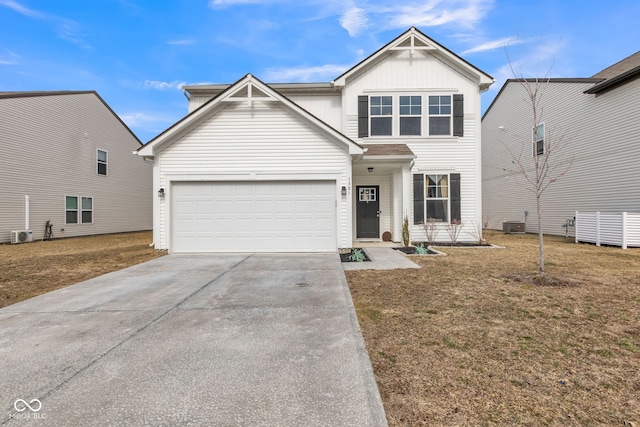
247	89
412	40
618	74
533	80
32	94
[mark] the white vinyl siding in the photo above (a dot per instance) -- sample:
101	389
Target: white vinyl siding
262	142
603	134
49	145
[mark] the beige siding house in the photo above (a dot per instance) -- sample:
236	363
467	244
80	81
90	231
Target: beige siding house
599	117
320	166
66	158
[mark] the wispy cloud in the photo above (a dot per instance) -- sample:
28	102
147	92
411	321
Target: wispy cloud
432	13
23	10
160	85
8	57
354	20
66	29
304	74
495	44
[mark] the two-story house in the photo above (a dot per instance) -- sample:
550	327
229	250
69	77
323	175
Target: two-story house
588	129
65	160
318	166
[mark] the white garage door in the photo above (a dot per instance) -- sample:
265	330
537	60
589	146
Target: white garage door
274	216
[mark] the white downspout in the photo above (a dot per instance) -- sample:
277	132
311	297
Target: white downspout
26	212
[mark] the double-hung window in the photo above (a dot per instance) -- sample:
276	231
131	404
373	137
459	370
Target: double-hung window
410	115
436	197
440	115
87	210
381	115
78	210
437	191
538	140
102	162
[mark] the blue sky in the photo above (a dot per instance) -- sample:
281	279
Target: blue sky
138	53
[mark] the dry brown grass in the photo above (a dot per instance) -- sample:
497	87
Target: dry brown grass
32	269
474	339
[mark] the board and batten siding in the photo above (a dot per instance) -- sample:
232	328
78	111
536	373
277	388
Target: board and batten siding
603	145
424	74
261	142
49	148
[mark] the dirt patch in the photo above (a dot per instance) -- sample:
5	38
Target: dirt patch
31	269
471	339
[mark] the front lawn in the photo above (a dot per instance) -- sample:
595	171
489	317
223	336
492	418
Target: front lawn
31	269
464	341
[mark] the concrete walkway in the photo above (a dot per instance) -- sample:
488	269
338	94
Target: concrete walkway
382	258
198	340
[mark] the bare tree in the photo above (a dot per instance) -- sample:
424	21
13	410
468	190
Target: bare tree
538	159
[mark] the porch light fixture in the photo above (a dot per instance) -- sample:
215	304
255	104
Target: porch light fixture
343	190
161	192
370	170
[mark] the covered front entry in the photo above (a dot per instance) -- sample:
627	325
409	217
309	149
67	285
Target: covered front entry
368	212
263	216
381	191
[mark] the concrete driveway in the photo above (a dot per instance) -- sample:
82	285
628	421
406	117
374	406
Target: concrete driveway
227	340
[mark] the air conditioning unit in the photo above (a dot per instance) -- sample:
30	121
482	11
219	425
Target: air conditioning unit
513	227
21	236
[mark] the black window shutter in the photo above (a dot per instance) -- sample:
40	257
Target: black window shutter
458	115
454	184
418	198
363	116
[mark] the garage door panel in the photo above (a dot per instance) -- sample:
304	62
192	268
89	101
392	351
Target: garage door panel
282	216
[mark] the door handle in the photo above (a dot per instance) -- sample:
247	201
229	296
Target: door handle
378	214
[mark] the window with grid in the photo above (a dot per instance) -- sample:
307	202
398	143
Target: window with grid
439	115
410	115
381	115
437	197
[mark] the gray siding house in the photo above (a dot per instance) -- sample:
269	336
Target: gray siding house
599	118
66	157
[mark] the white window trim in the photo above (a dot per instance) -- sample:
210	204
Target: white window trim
428	115
448	198
69	210
424	117
81	210
98	161
534	140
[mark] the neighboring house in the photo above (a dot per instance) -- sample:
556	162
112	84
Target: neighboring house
66	157
599	117
321	166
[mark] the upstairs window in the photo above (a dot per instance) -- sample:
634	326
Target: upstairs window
102	162
410	115
440	115
381	115
538	140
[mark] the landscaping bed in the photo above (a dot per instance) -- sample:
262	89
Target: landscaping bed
349	256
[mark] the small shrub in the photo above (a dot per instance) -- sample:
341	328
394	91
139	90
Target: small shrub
431	230
453	230
405	231
357	255
421	250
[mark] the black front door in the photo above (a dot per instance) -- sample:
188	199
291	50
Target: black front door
367	212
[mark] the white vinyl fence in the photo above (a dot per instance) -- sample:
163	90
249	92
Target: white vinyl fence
608	228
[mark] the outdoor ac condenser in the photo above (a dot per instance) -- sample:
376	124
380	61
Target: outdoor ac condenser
21	236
